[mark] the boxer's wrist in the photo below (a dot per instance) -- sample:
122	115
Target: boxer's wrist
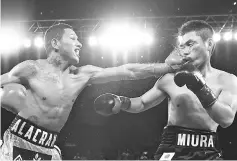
170	68
160	69
125	102
206	96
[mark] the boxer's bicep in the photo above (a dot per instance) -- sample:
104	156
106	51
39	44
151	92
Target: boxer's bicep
228	99
22	71
228	95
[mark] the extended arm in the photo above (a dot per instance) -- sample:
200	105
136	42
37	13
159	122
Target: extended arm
148	100
108	104
137	71
128	72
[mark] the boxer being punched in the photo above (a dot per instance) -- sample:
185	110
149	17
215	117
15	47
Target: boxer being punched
51	87
200	98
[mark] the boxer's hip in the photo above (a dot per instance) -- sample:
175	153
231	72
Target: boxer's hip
186	143
27	141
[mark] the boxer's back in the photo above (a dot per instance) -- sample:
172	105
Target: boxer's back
50	96
184	108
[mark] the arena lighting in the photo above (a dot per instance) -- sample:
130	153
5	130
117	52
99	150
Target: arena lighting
38	42
123	36
147	38
9	39
216	37
227	36
93	41
235	35
27	43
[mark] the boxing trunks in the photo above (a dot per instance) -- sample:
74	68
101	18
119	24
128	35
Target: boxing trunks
180	143
24	140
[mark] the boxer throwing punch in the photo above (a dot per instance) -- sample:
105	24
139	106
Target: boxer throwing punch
50	88
200	98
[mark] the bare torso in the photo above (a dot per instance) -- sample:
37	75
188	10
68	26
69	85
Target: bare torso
184	108
50	97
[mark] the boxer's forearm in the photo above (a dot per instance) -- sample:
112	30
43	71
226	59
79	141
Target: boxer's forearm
138	105
219	111
128	72
139	71
221	114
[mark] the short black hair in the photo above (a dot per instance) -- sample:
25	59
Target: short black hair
54	32
202	29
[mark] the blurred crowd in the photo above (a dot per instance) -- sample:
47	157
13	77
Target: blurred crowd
121	155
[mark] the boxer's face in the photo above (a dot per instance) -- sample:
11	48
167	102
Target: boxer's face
69	46
194	48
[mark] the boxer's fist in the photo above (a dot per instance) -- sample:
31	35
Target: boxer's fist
193	80
196	83
107	104
175	60
13	97
13	90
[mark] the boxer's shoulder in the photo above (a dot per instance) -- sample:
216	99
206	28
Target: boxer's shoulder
226	79
33	63
25	68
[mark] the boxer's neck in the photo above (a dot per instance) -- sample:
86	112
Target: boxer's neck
57	61
205	68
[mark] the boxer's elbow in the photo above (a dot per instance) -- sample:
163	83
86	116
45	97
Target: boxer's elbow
225	125
227	122
9	108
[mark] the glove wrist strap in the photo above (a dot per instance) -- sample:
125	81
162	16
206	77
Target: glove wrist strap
206	96
125	102
171	68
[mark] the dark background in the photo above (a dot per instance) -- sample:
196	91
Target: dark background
88	133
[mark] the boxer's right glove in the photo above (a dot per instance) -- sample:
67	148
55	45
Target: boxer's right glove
196	83
109	104
175	60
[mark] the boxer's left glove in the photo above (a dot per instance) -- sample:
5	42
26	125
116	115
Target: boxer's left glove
109	104
196	83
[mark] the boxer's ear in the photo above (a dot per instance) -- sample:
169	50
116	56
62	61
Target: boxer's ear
55	44
210	44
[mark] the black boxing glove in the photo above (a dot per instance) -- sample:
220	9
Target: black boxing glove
109	104
195	82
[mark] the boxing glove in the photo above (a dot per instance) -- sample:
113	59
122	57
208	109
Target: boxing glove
109	104
196	83
175	60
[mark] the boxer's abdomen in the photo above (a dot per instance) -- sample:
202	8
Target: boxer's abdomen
186	110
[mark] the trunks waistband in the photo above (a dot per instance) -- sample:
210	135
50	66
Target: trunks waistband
35	134
187	137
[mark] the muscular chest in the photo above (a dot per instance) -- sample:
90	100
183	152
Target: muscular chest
182	97
57	89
